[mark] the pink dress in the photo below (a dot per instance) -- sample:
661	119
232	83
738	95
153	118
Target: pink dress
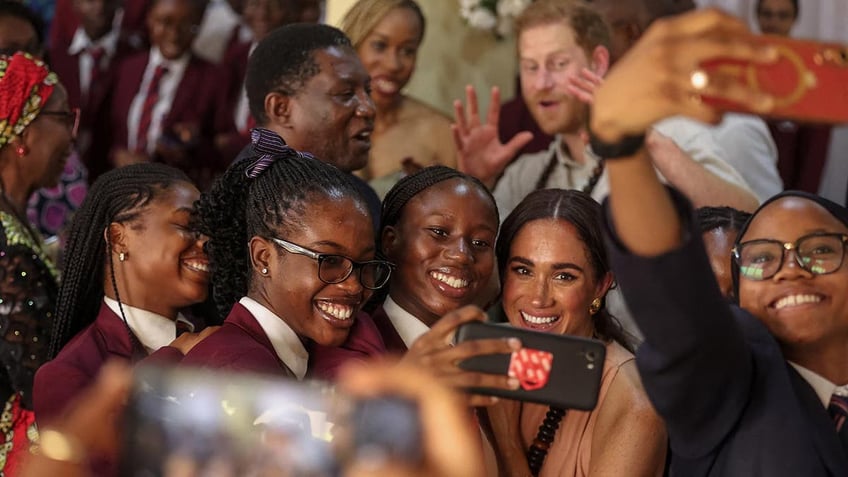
571	451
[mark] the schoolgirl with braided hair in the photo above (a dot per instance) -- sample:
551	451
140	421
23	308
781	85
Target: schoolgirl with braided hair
720	227
439	227
291	245
132	263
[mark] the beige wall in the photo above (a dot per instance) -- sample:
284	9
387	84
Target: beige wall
452	56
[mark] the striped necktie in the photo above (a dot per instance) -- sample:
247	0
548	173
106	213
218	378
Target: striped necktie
150	101
97	53
838	410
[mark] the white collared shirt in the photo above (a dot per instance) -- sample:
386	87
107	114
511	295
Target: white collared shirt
822	386
152	330
216	29
243	107
167	91
408	327
82	45
285	341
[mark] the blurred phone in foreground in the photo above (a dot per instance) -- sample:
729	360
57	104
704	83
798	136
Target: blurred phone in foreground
185	422
809	81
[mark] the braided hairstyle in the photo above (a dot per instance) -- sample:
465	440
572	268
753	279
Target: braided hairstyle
725	218
238	208
584	213
416	183
120	195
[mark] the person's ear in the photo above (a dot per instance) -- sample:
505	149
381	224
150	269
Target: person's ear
600	60
604	284
278	108
389	241
117	240
262	253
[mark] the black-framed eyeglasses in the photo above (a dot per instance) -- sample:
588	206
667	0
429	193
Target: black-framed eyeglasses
817	253
333	268
71	117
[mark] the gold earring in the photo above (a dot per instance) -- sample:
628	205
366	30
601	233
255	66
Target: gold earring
595	306
122	256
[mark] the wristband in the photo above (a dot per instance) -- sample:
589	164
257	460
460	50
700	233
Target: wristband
626	147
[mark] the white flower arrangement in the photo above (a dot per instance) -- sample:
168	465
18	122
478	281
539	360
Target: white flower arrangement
496	16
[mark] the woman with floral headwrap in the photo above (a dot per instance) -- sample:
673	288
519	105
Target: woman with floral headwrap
36	130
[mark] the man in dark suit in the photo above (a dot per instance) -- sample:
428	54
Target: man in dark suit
743	391
166	100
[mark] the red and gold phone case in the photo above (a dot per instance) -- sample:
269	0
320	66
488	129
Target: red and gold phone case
809	81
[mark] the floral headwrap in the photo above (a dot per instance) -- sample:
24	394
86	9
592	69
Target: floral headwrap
25	85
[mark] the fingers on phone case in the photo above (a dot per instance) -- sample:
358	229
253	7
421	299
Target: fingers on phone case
809	81
531	367
553	369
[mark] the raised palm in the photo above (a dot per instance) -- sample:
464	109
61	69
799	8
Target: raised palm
480	151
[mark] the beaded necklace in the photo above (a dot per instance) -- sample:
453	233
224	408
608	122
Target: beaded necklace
544	437
588	187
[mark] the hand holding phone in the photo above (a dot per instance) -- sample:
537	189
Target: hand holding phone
437	351
558	370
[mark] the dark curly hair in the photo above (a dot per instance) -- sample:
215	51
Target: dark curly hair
238	208
285	60
582	212
120	195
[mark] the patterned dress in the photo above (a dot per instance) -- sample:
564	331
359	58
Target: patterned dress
28	292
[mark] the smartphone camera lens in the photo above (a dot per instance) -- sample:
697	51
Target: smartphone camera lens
590	356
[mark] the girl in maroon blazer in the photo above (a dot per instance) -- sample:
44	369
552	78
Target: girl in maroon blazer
132	263
439	227
165	101
291	245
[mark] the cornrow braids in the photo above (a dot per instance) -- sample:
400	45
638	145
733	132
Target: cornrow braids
237	208
727	218
414	184
120	195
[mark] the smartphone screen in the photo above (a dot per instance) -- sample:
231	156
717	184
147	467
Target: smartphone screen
193	423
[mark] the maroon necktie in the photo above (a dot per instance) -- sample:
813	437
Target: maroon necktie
97	53
150	101
838	410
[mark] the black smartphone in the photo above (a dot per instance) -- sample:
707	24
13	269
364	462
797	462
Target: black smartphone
192	422
559	370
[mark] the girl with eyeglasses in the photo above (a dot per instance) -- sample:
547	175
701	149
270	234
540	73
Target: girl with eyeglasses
292	251
756	390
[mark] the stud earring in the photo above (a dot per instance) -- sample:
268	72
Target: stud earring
21	150
595	306
264	271
122	257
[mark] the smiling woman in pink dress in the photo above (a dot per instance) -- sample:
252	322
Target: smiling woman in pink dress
408	134
555	276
